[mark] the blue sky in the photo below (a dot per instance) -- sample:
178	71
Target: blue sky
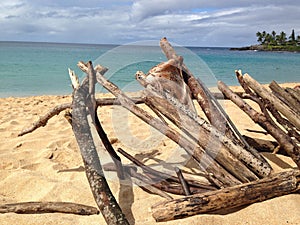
189	22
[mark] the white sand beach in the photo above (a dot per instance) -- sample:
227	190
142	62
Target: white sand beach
46	165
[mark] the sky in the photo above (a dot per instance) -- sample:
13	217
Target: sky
229	23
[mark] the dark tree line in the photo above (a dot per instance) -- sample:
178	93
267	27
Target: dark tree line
280	39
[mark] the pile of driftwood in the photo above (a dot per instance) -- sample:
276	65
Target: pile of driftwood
237	174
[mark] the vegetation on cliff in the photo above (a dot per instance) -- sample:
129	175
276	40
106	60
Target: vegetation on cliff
275	42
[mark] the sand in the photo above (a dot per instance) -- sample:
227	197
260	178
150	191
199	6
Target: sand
46	165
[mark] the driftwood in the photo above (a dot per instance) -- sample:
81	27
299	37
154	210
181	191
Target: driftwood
158	175
285	96
284	140
93	111
295	93
277	103
105	200
43	120
214	142
199	92
183	182
263	145
48	207
221	177
226	158
273	186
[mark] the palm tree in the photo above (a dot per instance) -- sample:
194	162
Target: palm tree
259	37
268	39
274	42
292	38
282	38
264	34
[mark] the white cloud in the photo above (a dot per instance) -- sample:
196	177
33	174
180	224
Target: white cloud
194	22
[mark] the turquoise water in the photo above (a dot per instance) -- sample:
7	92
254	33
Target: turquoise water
41	68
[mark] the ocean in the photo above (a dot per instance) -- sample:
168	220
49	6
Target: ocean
28	69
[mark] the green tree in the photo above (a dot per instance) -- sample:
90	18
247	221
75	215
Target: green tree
292	39
264	34
259	37
268	39
282	38
274	41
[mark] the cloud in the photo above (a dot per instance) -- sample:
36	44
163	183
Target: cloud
193	22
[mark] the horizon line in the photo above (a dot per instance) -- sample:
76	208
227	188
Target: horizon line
129	44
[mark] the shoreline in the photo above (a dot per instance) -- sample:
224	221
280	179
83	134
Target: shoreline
134	93
265	49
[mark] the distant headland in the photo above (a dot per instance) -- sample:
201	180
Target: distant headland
274	42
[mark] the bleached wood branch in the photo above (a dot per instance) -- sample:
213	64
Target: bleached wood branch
284	140
43	120
74	79
103	196
215	143
48	207
275	185
277	103
223	178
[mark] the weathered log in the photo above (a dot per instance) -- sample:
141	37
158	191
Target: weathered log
183	182
224	150
74	79
277	103
291	130
284	140
238	136
160	184
158	175
294	93
150	188
93	109
285	96
221	177
167	76
265	145
196	87
42	121
48	207
105	200
275	185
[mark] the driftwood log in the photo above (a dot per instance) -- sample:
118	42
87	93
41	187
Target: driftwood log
48	207
283	139
219	146
223	178
226	159
273	186
107	101
105	200
284	96
277	103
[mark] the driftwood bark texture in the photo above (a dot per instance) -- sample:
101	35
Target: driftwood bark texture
283	139
105	200
285	96
199	92
216	144
42	121
277	103
48	207
273	186
221	176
